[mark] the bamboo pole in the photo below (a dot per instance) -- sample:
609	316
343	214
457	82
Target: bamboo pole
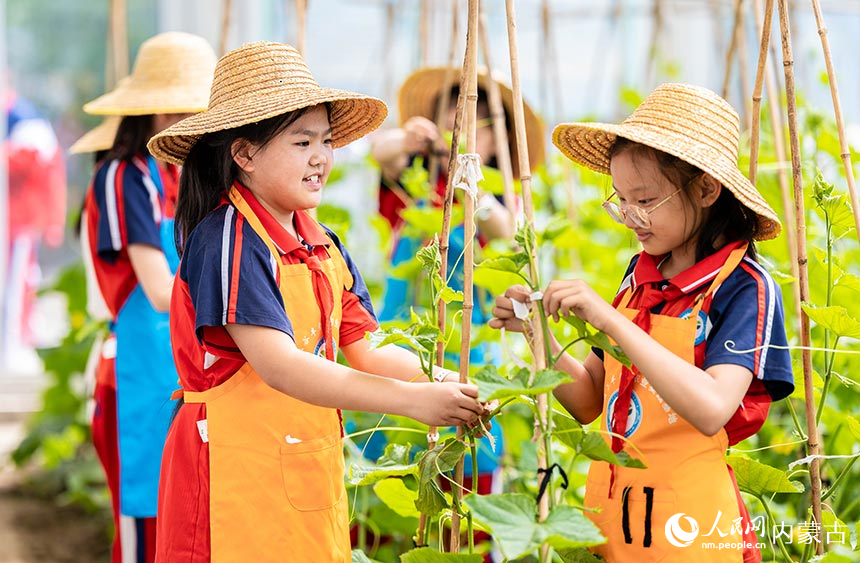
765	74
118	53
544	451
227	8
733	43
469	83
743	69
657	12
500	131
301	24
755	126
813	445
424	33
441	308
837	110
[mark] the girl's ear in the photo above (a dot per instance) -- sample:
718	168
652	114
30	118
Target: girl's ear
709	190
240	150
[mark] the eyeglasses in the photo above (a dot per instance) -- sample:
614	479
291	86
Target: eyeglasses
639	216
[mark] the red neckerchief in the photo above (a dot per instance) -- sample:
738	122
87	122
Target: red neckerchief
312	236
649	290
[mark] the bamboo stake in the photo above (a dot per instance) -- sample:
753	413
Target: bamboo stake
301	19
441	308
469	83
759	81
837	110
651	72
500	132
765	73
813	445
544	451
118	53
743	69
424	33
225	26
733	43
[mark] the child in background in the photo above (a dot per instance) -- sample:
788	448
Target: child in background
37	215
265	298
700	319
129	227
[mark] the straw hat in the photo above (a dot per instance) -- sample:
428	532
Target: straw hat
689	122
262	80
99	138
420	92
172	74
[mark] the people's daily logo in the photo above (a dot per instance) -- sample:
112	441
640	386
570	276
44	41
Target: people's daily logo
677	535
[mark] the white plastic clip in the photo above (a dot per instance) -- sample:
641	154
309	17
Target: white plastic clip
468	174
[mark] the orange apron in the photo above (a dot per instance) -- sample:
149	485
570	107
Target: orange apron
686	470
276	463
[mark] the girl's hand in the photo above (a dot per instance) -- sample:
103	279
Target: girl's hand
575	297
503	312
421	135
446	404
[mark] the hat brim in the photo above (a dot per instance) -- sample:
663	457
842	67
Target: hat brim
351	115
128	100
420	92
589	144
99	138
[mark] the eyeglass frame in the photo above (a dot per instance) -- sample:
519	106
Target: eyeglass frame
619	213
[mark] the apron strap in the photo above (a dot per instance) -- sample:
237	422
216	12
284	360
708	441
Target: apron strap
732	262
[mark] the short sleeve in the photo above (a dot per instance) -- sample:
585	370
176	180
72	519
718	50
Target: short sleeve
129	209
358	316
232	275
748	328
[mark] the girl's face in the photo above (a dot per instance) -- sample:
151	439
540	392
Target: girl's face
288	173
638	180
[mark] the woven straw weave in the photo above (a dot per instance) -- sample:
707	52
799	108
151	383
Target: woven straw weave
262	80
689	122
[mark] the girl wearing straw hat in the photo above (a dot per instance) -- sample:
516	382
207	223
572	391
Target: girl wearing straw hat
700	319
129	223
264	299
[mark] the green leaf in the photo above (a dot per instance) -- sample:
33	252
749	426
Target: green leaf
449	295
394	462
495	281
511	263
359	557
441	459
430	555
511	518
398	497
590	444
834	318
493	385
419	337
853	426
759	479
579	555
597	339
493	181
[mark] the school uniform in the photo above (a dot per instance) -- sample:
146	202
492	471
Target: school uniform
250	473
131	202
724	304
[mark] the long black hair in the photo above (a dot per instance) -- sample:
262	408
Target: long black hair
131	137
726	221
209	169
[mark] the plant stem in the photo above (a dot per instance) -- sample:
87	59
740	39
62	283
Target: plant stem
779	542
845	470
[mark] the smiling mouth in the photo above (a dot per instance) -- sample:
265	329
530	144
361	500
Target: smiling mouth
315	178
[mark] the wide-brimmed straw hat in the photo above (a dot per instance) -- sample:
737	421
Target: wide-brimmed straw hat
420	92
689	122
99	138
172	74
261	80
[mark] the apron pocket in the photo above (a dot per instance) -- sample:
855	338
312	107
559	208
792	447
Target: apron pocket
313	473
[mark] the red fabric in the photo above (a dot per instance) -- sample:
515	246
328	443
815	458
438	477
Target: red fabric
104	434
751	555
187	456
37	193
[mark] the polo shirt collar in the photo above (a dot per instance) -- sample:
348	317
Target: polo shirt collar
647	270
308	229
